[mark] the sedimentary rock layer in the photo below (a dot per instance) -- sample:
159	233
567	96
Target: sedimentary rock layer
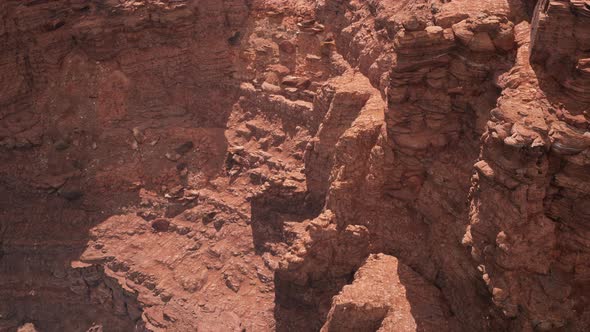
294	165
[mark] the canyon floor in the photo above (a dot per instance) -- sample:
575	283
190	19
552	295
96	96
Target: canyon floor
294	165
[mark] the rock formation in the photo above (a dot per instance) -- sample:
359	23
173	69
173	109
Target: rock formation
294	165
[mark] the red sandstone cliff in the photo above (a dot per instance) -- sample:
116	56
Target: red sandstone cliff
294	165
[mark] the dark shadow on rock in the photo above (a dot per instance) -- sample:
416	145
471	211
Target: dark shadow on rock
556	56
43	234
305	307
428	307
269	212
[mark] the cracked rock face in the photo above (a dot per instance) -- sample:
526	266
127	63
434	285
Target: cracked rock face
294	165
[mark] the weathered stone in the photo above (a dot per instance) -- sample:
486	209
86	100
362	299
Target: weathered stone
161	225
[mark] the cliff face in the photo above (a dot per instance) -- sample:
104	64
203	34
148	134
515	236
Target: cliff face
529	203
294	165
102	105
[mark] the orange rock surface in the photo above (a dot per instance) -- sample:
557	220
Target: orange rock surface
294	165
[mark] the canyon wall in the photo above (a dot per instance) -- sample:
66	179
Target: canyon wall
294	165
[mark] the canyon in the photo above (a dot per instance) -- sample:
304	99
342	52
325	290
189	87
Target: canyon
294	165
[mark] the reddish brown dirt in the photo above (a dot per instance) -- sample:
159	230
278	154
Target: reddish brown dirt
294	165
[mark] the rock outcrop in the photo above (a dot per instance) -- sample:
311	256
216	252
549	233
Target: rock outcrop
294	165
388	296
528	201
